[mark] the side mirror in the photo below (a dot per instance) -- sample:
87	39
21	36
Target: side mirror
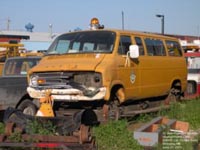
134	51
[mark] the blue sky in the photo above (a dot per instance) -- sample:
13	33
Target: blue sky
181	16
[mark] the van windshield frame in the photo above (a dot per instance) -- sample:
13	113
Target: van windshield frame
83	42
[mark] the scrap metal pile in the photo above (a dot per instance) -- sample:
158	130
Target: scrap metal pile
69	132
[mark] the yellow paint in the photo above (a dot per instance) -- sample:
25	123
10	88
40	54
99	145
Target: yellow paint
45	110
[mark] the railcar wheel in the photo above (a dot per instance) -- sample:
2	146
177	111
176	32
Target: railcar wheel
111	111
173	96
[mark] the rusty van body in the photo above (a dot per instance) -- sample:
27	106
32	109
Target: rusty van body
113	67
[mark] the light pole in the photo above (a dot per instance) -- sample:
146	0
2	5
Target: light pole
163	22
122	20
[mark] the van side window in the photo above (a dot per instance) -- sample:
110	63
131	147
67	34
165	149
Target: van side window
174	48
138	41
125	42
88	47
155	47
63	46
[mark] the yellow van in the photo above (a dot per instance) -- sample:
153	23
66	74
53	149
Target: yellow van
110	69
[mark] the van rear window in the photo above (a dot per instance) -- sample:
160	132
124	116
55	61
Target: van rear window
155	47
174	48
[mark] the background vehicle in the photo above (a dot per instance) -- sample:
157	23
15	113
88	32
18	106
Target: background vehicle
9	50
14	83
193	85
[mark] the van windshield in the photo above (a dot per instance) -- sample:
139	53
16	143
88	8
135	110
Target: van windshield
83	42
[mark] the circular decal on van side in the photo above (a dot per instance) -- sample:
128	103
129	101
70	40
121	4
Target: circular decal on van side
97	56
132	77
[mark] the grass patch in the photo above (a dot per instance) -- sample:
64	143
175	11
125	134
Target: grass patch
185	111
115	136
33	127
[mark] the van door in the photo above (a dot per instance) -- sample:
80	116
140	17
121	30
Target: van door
127	69
154	69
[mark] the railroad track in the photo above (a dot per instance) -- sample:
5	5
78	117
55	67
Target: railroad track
70	133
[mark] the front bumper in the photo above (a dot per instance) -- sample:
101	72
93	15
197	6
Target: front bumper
67	94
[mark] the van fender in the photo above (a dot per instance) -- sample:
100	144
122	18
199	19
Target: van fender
175	92
176	82
116	89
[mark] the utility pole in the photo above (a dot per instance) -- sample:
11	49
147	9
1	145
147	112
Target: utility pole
8	24
198	33
51	30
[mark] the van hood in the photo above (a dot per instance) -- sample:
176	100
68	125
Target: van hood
72	62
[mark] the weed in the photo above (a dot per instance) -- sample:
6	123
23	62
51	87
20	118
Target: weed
2	128
45	128
15	137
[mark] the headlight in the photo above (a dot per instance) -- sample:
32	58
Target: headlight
37	81
97	78
34	80
90	79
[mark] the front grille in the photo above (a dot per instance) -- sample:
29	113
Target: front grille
76	80
56	79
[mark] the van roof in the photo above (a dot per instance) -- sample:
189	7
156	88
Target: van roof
130	31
